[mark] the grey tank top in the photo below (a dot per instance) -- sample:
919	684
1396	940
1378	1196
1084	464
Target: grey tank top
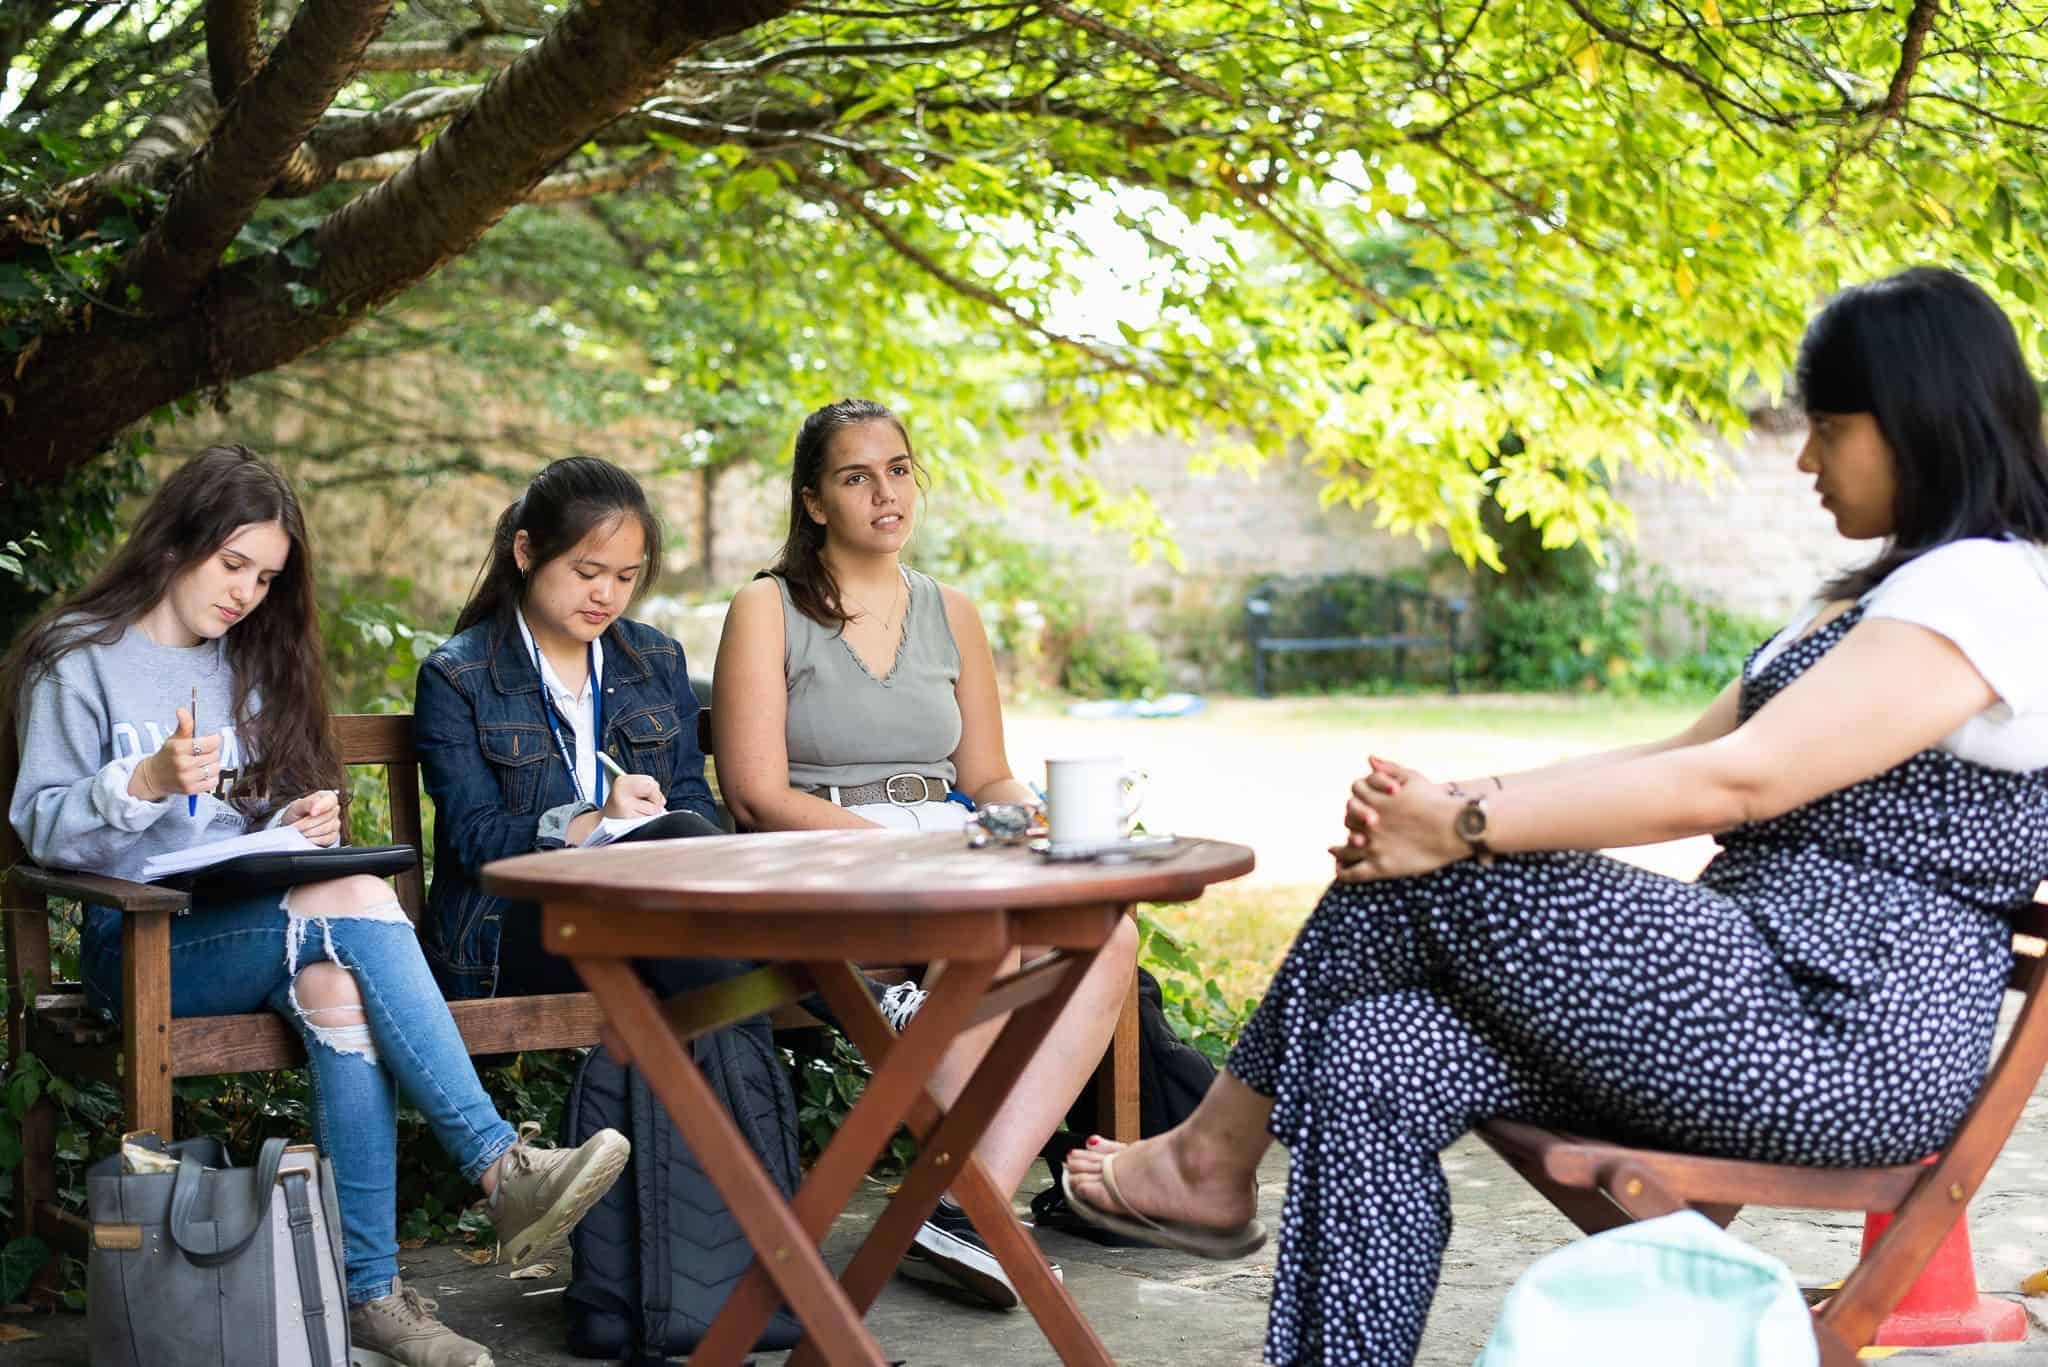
846	726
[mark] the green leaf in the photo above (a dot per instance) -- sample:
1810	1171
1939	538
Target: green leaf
20	1260
23	1088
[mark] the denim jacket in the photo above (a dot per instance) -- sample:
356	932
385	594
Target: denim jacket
498	782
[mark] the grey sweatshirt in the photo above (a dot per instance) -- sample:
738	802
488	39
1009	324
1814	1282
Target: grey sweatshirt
84	726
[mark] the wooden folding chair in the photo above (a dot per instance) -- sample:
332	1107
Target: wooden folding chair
1599	1185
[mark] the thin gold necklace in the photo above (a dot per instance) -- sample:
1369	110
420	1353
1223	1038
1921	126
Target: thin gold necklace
888	623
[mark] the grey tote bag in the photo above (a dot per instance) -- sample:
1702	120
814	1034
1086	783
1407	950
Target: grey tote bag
214	1265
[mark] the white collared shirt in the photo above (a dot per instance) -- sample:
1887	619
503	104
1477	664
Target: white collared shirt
578	710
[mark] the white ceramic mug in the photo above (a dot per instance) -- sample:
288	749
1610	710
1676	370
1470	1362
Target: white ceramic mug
1091	799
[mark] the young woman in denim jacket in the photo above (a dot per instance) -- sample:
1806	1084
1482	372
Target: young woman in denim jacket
210	601
544	671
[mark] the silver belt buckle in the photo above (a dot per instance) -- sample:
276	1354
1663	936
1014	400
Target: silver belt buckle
924	789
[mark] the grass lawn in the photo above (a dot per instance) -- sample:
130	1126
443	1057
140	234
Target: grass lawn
1272	773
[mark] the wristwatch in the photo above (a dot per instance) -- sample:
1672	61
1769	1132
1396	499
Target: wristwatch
1471	828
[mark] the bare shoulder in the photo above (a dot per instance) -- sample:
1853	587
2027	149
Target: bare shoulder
755	599
956	600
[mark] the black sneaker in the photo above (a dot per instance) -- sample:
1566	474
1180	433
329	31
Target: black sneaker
948	1252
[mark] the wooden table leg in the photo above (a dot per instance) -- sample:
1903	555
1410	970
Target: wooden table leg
1116	1081
896	1085
780	1243
948	1136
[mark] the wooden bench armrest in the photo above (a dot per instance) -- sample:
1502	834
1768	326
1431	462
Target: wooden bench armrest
117	893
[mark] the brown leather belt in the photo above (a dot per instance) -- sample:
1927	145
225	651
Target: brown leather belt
904	790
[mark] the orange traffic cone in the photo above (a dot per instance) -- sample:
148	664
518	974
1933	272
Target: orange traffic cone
1943	1307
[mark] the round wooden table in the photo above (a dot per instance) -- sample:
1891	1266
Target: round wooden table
809	906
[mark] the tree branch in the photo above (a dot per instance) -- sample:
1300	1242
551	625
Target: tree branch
371	170
841	51
1327	259
852	203
344	136
250	148
1918	21
233	41
150	162
582	183
596	180
1917	24
476	50
1142	48
595	64
1715	95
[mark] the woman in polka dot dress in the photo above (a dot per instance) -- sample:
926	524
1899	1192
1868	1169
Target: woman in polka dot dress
1824	994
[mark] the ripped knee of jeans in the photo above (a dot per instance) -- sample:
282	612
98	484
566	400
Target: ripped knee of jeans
338	1022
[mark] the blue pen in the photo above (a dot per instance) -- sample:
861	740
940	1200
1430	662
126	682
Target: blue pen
192	799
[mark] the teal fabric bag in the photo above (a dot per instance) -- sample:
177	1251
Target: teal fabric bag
1677	1291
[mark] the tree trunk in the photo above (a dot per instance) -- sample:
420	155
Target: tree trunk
707	485
73	388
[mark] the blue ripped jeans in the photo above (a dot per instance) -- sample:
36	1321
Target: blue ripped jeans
230	957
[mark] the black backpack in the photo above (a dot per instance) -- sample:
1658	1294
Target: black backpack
655	1259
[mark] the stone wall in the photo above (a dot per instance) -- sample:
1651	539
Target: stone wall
1756	541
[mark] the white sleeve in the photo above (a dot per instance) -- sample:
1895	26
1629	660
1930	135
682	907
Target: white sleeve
122	809
1989	598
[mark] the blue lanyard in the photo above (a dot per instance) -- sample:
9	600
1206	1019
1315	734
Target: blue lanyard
547	707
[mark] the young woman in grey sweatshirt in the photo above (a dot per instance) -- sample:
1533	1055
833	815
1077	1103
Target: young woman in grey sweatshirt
211	601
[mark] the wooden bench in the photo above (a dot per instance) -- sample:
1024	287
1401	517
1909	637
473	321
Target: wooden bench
1599	1185
1355	612
142	1055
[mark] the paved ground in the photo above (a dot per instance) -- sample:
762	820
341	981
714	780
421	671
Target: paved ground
1158	1309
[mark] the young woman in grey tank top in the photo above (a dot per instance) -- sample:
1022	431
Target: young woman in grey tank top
855	693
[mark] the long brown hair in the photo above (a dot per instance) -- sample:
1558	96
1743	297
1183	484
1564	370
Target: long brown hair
565	503
274	653
801	563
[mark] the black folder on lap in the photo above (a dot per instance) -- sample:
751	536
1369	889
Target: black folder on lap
249	874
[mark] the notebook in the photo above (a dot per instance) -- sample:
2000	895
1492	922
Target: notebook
276	840
666	826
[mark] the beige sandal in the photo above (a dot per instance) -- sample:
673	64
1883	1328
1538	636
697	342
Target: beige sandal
1182	1236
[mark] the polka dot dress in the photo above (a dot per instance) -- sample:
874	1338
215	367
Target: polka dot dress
1825	994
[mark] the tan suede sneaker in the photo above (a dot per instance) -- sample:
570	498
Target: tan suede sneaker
542	1193
400	1330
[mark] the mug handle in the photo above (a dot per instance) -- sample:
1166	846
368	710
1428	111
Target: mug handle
1132	786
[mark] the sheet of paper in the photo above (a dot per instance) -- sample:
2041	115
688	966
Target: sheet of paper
613	827
277	840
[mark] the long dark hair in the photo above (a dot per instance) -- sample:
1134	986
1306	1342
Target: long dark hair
565	503
801	563
1936	362
274	652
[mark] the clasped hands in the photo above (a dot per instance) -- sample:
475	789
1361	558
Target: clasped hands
1398	825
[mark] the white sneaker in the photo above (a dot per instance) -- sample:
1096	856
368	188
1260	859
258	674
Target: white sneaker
900	1003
